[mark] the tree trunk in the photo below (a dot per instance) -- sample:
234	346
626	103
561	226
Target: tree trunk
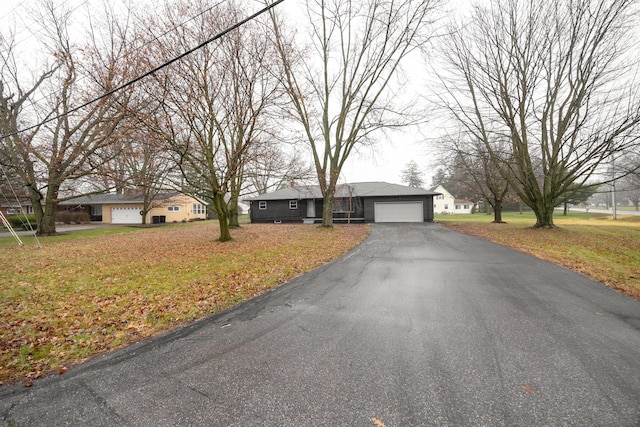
232	209
45	215
47	227
566	209
497	211
146	208
235	187
544	216
327	210
144	212
35	197
50	208
223	217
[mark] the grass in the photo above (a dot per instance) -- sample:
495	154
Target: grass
592	244
92	291
64	236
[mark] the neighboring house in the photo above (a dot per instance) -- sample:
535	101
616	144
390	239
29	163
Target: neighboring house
446	203
126	209
357	202
463	206
16	208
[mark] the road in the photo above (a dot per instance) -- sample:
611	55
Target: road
418	326
604	211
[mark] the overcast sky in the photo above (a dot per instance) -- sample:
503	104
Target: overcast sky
383	162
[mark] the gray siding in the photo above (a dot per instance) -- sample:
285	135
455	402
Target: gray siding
278	210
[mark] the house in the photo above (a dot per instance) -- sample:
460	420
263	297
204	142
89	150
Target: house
127	209
16	208
357	202
446	203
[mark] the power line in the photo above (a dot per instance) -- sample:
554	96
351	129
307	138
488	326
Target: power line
150	72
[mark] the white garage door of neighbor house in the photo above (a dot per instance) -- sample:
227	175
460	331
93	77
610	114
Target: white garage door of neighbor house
126	216
398	212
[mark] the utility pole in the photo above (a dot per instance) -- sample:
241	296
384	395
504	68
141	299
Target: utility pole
613	187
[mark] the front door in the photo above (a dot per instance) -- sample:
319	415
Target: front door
311	208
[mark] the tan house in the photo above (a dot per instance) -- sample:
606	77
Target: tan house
127	209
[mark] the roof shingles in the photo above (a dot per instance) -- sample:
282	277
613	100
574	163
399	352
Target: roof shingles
356	189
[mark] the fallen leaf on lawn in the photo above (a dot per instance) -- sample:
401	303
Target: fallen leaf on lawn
62	370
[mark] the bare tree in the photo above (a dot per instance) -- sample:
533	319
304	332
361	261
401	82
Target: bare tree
556	79
341	93
473	173
61	148
214	103
137	163
271	168
14	158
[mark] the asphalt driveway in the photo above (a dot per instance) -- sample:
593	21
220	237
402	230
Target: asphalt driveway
418	326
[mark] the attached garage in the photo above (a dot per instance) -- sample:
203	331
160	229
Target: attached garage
398	212
126	215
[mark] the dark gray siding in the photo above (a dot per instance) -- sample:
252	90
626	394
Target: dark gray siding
278	210
356	215
427	205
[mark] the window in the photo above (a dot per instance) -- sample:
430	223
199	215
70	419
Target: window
198	209
343	205
262	205
293	204
457	207
30	209
446	206
173	208
466	206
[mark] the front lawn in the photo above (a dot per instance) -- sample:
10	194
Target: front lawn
91	291
595	245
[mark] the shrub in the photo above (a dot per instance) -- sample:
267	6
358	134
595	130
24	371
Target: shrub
21	221
68	217
82	217
63	217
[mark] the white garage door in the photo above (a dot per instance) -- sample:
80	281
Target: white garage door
126	216
398	212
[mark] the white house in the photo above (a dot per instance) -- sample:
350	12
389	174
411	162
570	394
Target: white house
446	203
